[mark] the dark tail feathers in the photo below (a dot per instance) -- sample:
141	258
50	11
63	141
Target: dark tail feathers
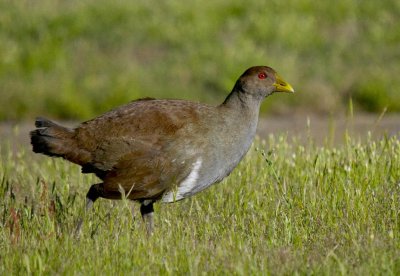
51	139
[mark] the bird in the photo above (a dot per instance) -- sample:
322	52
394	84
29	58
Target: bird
162	149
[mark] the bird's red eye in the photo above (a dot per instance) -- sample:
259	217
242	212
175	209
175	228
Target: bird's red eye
262	75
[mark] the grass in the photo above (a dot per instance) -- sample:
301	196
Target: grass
288	208
76	59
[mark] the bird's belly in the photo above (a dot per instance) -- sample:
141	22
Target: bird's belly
205	172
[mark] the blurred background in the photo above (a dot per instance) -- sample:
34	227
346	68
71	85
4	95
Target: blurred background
71	59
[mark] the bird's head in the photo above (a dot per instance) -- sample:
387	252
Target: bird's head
262	81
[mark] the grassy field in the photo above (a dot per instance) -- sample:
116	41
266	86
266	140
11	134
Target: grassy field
292	206
289	207
76	59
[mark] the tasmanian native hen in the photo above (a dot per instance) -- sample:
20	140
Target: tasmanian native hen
163	150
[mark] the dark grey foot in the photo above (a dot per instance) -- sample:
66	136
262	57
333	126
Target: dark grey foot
146	210
93	194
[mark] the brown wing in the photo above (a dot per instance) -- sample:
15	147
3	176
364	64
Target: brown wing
114	134
131	146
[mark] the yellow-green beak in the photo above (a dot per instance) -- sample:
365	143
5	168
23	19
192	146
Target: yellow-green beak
282	86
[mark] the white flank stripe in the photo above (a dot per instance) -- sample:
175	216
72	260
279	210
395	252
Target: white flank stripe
186	185
190	181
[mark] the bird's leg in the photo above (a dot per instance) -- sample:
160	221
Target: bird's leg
133	211
146	210
93	194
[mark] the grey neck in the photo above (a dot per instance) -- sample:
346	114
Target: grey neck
245	103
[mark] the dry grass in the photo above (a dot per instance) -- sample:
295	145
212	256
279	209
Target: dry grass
290	207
